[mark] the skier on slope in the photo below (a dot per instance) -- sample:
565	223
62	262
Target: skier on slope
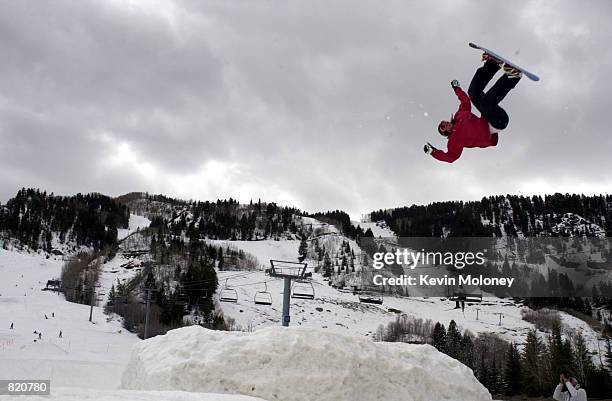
466	130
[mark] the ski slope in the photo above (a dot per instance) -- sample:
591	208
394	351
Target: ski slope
264	250
90	358
340	311
136	222
88	354
379	228
88	361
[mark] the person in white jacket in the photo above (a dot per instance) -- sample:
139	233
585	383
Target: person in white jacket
569	390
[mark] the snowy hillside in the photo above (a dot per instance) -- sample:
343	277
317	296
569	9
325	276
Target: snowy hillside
275	363
89	359
380	229
87	362
95	353
136	222
340	311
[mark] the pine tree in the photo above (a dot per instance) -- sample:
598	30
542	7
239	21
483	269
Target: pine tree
303	249
327	266
150	281
482	372
112	299
453	340
495	382
512	372
559	354
583	363
221	262
439	337
466	353
533	372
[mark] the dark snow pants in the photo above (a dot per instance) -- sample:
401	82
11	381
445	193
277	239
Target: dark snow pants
488	103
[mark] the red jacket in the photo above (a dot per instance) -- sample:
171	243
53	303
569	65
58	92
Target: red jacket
469	131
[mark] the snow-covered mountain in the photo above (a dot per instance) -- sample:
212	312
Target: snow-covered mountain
193	252
86	360
510	215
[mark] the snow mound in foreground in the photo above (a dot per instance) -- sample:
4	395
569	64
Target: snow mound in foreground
298	364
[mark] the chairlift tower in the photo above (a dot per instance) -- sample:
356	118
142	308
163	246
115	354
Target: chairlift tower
288	271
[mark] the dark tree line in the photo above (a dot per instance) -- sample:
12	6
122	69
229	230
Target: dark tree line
228	220
342	220
33	217
496	215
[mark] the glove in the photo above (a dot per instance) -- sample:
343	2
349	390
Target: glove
428	148
455	83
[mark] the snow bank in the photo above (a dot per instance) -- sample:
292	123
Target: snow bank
298	364
81	394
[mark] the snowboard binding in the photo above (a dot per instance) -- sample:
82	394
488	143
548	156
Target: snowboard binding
487	57
512	72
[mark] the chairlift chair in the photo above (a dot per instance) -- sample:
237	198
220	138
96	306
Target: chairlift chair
303	290
263	297
369	297
471	295
228	294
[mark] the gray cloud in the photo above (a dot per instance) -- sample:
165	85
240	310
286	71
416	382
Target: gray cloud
318	104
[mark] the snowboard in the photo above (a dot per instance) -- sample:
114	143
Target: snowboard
528	74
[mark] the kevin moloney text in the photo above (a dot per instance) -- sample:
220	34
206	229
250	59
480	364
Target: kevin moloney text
427	280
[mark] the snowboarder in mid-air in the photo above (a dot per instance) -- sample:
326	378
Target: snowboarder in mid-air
466	130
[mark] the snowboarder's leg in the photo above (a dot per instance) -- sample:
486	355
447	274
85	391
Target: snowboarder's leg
490	109
480	80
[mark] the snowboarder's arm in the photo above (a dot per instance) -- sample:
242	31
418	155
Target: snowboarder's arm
453	153
464	99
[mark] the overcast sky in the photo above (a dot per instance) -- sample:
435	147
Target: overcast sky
316	104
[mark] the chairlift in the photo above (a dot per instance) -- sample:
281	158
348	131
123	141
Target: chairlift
473	294
370	297
366	294
228	294
302	289
263	297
